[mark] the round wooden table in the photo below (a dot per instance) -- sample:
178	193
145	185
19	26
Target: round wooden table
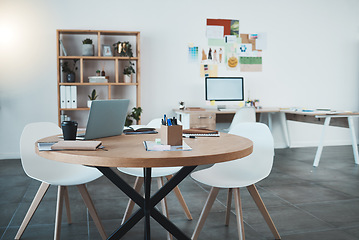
129	151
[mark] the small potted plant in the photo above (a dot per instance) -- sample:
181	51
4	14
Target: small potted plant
87	47
92	97
134	115
69	69
124	49
127	73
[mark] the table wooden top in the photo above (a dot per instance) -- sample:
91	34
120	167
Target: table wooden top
129	151
323	113
276	110
205	110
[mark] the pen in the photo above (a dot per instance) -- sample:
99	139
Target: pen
169	123
189	136
164	120
174	121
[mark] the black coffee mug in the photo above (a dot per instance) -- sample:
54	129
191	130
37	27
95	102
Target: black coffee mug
69	130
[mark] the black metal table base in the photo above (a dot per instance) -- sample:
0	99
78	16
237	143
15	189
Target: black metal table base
147	204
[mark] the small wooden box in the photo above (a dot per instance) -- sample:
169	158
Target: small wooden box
171	135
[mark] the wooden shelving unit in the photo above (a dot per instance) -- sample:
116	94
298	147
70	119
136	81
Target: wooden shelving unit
72	41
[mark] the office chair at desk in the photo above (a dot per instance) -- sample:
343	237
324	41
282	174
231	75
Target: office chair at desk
159	173
50	172
243	114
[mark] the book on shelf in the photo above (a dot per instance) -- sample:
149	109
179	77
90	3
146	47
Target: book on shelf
68	96
63	48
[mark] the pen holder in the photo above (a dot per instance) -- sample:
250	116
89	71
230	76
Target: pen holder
171	135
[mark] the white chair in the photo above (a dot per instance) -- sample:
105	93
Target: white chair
244	172
50	172
159	173
244	114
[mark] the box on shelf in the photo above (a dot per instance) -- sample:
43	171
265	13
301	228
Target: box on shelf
98	79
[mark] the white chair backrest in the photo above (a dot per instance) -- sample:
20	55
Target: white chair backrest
260	162
34	165
244	114
156	123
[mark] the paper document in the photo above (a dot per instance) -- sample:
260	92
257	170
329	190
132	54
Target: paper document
153	146
69	145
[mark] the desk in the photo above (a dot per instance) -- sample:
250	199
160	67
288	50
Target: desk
128	151
339	119
208	118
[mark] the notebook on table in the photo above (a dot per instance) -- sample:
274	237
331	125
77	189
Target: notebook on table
106	118
200	132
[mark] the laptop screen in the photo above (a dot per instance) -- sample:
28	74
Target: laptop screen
106	118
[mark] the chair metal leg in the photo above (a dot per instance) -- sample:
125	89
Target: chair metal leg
262	208
34	205
229	203
59	205
180	198
67	205
131	204
164	204
92	210
239	214
207	207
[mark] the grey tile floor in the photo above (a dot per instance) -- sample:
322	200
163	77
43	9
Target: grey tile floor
304	202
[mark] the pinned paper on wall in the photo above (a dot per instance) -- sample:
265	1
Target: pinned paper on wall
251	64
209	70
228	49
245	39
215	32
261	41
230	39
216	42
212	55
192	53
245	49
230	27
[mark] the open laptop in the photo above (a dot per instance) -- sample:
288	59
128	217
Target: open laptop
106	118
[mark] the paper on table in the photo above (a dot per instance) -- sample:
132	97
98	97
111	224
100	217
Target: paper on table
76	145
153	146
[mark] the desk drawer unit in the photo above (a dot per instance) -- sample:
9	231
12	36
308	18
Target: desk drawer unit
203	120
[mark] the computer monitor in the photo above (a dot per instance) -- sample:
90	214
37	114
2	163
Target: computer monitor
224	88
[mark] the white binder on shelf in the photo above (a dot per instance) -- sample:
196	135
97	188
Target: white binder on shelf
73	96
62	97
68	96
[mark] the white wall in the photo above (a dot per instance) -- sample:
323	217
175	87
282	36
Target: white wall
311	60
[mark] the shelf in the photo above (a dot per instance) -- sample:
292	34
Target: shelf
98	84
87	65
98	58
74	109
95	32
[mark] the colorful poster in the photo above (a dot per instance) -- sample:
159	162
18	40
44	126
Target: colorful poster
230	27
209	70
192	53
251	64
